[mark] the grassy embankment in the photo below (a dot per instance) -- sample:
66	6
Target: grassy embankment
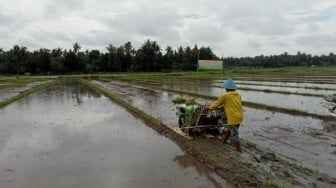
16	82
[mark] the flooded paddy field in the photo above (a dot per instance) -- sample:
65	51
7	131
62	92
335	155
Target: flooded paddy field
325	86
293	90
311	142
70	136
8	91
310	104
290	85
293	87
292	78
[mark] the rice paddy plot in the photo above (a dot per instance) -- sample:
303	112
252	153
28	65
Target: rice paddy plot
293	90
285	84
302	138
70	136
308	104
290	78
10	91
293	84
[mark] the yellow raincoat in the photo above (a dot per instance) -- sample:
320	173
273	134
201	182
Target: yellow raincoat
233	106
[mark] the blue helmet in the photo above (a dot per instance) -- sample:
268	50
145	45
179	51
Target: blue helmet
229	84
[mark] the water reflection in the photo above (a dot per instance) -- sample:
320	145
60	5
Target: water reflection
186	161
69	136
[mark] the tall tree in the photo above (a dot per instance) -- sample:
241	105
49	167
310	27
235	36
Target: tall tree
76	47
17	58
148	56
129	53
169	59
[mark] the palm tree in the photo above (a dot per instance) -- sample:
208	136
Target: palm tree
76	47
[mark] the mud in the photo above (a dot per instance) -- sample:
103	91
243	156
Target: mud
69	136
299	141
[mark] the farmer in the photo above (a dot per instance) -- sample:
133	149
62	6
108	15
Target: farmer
231	101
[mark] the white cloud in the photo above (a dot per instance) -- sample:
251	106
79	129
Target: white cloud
318	41
231	27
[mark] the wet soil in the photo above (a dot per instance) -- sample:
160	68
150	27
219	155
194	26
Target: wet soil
69	136
296	148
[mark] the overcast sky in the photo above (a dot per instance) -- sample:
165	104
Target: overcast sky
229	27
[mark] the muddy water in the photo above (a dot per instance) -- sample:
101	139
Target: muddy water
288	89
294	87
301	138
327	85
303	103
69	136
157	104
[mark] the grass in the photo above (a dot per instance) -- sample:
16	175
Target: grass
228	71
326	70
15	82
283	71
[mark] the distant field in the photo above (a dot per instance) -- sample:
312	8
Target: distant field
330	70
283	71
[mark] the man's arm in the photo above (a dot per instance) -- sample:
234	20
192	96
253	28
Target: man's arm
217	103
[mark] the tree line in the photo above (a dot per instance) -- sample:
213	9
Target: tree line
148	58
282	60
125	58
